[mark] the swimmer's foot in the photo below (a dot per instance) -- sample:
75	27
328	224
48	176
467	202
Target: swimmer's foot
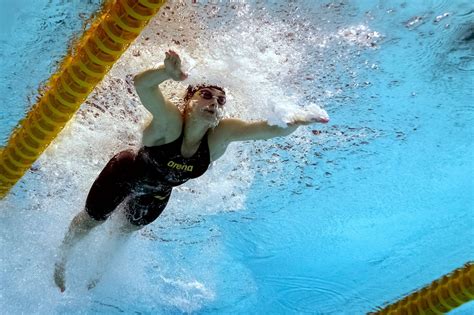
59	276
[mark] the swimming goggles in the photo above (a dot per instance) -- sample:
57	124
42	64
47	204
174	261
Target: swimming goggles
207	95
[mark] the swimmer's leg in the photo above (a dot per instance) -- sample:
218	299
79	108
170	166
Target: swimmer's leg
110	188
113	247
143	209
139	212
80	226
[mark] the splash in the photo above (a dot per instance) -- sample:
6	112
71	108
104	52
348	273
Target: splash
276	61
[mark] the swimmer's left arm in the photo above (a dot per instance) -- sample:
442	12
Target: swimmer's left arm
239	130
230	130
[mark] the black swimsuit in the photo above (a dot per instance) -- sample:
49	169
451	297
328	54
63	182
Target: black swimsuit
146	178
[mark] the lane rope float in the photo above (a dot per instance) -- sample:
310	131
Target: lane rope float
115	28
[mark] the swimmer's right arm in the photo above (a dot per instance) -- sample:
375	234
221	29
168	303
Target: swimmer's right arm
146	85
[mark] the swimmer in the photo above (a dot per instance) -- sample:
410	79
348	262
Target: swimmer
177	146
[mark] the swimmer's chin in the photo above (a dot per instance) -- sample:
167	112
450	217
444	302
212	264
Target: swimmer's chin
210	114
211	117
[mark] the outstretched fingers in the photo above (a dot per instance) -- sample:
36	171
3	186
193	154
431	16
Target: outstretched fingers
173	65
323	120
172	54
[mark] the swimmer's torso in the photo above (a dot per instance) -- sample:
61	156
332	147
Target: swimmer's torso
164	164
154	135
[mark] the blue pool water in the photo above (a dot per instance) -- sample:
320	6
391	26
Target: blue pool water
336	219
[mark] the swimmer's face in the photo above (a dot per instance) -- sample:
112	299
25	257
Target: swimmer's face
208	104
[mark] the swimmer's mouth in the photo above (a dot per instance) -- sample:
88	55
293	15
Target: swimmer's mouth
210	111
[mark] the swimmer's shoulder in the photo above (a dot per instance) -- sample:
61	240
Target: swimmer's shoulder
159	132
220	137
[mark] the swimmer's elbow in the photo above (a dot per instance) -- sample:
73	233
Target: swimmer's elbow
150	78
139	83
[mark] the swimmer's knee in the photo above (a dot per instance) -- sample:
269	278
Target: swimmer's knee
125	156
84	218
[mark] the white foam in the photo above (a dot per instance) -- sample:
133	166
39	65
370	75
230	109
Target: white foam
273	65
360	34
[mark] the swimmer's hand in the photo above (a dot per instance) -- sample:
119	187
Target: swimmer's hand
59	276
173	66
300	121
309	115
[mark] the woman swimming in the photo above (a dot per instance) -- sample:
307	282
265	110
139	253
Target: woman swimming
176	147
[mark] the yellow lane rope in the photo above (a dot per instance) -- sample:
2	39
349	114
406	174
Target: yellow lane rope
86	65
440	297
